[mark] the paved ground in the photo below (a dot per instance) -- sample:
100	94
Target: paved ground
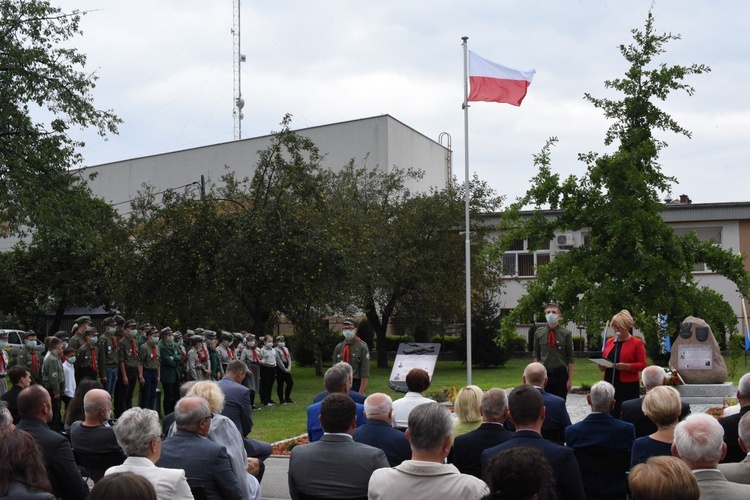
275	485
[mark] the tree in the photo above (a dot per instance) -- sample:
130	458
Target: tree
635	261
405	251
41	75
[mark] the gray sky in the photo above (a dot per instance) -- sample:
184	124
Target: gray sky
165	67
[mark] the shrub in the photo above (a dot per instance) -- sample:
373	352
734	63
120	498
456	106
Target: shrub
303	345
392	341
514	342
451	343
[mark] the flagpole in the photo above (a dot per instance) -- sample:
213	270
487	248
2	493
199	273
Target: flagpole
467	197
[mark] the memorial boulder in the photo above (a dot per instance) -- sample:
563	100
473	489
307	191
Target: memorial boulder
696	354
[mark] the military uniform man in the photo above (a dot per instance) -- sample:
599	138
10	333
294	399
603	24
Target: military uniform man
170	359
3	362
88	357
128	363
354	351
53	379
180	347
553	347
29	358
149	369
77	340
108	355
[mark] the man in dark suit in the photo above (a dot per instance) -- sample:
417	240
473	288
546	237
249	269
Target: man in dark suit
557	418
526	410
335	466
35	409
468	448
607	437
204	461
740	472
632	410
238	407
20	378
379	431
731	423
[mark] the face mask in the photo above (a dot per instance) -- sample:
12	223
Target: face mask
225	343
94	340
65	344
552	318
111	329
269	345
132	333
3	345
71	360
251	343
154	340
348	334
281	344
31	343
169	340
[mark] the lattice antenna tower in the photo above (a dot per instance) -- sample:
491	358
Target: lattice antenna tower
238	59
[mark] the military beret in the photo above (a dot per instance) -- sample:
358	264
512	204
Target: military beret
30	333
350	321
131	322
83	319
109	321
165	331
119	319
89	330
209	334
62	334
3	334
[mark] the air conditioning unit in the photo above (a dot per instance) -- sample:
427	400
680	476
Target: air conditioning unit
565	240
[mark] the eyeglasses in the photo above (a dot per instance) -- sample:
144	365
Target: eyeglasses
210	416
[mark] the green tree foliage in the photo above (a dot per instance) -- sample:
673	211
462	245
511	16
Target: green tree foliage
42	76
404	250
634	261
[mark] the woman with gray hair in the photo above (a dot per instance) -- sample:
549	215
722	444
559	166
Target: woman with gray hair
138	433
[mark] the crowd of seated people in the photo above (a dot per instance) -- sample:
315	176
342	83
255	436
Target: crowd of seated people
517	444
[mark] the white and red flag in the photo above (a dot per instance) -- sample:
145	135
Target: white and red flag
492	82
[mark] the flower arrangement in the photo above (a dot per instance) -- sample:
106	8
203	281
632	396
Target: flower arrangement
673	378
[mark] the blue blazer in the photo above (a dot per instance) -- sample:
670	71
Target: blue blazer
315	430
380	434
357	397
600	430
237	404
203	461
468	448
561	459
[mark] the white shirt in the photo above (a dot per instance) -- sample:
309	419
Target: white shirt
170	484
402	407
70	379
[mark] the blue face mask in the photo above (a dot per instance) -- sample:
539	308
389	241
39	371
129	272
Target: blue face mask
281	344
94	339
31	343
3	344
552	318
71	360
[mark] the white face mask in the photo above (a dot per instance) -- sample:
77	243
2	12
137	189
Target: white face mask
348	334
552	318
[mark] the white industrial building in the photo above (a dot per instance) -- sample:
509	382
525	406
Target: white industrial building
380	141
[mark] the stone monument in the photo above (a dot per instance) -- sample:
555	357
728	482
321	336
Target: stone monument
696	355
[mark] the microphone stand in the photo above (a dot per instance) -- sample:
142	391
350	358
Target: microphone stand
614	368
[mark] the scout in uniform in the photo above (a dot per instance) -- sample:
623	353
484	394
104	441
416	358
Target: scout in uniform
283	371
53	379
217	372
29	358
170	359
108	355
87	356
225	351
128	363
553	347
251	357
149	368
196	367
77	340
354	351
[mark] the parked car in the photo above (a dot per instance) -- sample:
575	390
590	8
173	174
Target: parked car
15	343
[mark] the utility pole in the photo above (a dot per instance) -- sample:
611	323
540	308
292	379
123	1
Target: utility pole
239	58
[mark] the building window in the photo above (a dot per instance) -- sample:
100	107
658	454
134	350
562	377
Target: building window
520	261
706	234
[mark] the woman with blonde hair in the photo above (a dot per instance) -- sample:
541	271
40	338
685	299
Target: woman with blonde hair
628	354
224	432
468	406
663	478
662	405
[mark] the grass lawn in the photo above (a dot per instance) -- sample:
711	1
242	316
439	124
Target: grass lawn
281	422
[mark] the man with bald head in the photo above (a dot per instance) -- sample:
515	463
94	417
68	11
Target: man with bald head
203	460
94	435
632	410
379	432
35	410
556	418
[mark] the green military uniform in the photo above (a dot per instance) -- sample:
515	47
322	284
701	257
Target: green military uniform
555	360
146	357
171	359
217	371
128	353
359	357
53	375
76	341
26	358
86	357
108	353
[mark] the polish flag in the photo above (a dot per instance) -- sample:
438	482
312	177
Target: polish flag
492	82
